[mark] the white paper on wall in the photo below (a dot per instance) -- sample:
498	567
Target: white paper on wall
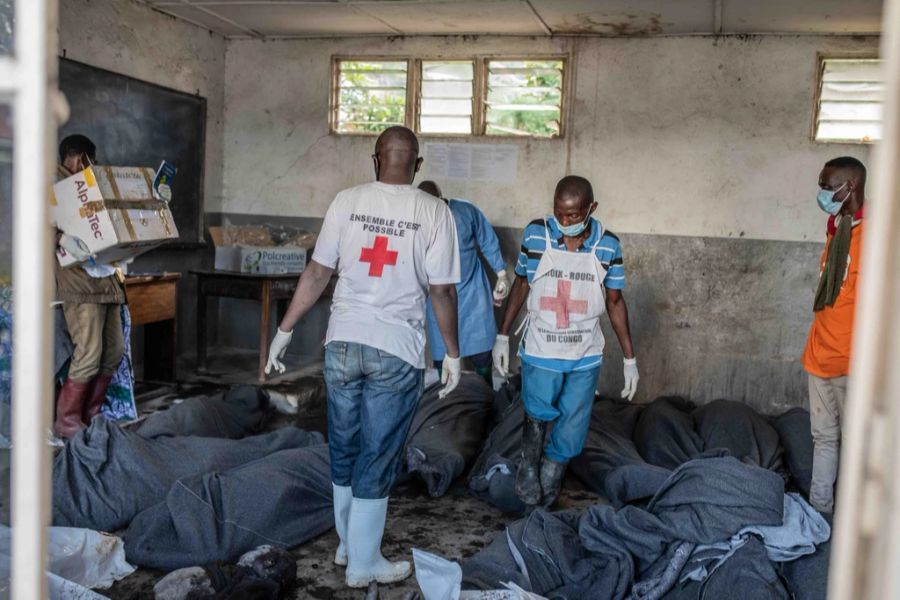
479	162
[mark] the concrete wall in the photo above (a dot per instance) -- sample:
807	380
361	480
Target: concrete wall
129	38
680	136
699	151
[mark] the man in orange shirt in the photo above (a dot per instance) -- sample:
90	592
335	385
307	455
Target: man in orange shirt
842	194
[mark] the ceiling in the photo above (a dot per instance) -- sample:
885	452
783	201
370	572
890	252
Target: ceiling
324	18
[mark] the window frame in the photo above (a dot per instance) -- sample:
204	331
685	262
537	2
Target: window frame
563	100
334	103
479	93
821	57
417	93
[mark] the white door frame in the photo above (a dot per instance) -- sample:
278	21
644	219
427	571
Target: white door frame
865	561
29	80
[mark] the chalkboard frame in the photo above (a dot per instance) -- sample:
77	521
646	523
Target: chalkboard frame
189	238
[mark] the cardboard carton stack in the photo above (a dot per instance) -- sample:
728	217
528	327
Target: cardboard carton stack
261	249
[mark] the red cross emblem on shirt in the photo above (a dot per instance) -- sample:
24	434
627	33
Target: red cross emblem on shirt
378	255
562	304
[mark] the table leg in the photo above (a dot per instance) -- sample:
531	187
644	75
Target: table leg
201	328
265	317
281	307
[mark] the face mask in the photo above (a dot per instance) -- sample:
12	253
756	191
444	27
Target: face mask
573	230
826	200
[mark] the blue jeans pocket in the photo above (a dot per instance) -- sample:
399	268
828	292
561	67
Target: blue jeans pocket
394	373
336	362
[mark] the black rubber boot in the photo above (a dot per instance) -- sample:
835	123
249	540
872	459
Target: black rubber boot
551	479
486	374
528	482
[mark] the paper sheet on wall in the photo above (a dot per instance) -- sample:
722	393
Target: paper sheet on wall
481	162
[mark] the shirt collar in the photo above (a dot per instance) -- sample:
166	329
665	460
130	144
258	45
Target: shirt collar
557	235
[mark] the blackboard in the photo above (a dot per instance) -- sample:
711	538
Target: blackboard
135	123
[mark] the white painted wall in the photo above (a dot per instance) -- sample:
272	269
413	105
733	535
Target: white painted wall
680	135
134	40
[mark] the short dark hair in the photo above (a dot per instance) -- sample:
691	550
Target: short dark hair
430	187
850	164
77	144
573	185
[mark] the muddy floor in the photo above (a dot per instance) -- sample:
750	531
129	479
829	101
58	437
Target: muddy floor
455	526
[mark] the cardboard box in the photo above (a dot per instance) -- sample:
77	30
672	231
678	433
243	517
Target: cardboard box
112	210
232	253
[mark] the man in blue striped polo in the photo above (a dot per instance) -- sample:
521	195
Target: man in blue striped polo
570	271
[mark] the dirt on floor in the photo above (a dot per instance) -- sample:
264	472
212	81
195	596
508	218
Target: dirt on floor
455	526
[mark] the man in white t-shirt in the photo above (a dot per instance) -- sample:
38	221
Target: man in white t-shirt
392	246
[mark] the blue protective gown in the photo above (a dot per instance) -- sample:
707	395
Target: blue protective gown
477	329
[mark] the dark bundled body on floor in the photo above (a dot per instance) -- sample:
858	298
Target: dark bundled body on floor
433	465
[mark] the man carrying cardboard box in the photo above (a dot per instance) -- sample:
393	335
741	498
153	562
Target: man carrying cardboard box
92	296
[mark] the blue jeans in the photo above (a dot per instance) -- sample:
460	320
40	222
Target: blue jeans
566	398
372	396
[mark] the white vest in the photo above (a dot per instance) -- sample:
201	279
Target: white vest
566	301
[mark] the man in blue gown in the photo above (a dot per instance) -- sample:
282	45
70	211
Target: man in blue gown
477	328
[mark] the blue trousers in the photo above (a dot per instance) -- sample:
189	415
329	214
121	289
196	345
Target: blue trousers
565	398
372	396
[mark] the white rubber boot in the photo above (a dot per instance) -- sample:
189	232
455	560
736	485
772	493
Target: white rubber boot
364	532
343	495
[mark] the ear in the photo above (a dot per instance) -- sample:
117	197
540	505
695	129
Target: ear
593	208
419	164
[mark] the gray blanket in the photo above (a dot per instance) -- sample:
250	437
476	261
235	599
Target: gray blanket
447	433
629	456
241	411
746	575
107	474
602	552
630	448
283	499
793	429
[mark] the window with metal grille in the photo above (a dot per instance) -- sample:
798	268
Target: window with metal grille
445	96
850	102
370	95
524	97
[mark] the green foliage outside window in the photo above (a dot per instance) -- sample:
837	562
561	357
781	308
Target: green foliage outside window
372	96
536	86
524	97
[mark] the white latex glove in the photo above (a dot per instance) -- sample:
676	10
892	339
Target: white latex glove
450	372
501	288
74	247
631	378
277	349
500	354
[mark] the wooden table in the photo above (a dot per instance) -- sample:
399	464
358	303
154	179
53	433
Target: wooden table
152	302
247	286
